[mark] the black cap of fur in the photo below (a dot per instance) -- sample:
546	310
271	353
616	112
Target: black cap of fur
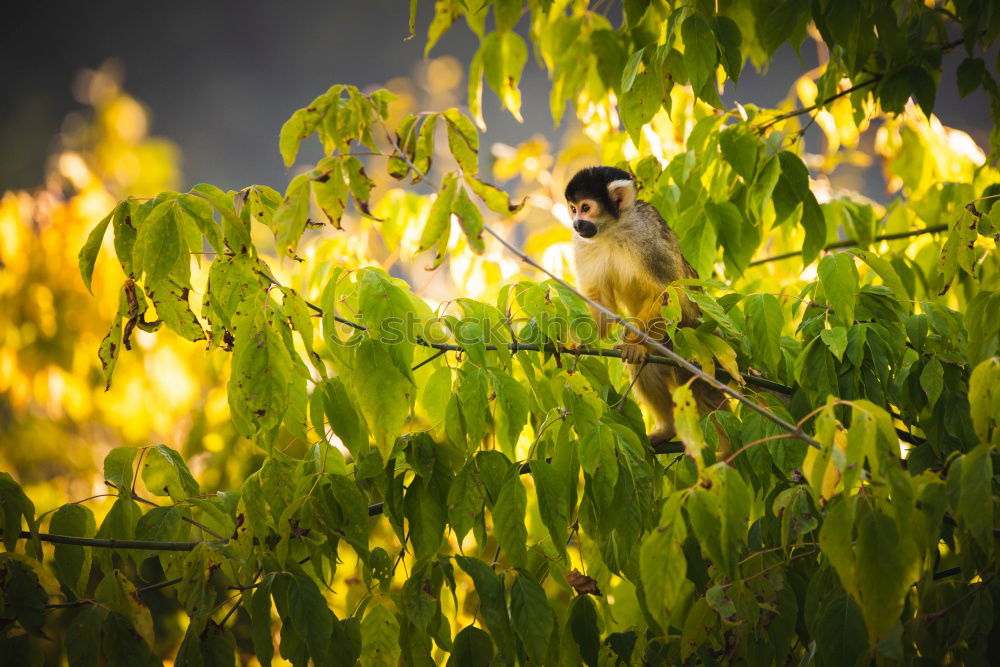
592	183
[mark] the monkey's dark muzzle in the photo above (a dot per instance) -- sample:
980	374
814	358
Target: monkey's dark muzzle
585	228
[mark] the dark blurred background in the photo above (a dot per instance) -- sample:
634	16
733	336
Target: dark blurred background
221	77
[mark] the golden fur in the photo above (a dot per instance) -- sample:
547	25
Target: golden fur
626	266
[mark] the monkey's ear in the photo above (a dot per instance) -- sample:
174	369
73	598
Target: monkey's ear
622	193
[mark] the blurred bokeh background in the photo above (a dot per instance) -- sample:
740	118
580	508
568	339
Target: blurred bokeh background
219	78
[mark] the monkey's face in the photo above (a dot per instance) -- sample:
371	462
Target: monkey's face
588	217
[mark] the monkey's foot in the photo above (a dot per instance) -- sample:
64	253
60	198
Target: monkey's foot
632	353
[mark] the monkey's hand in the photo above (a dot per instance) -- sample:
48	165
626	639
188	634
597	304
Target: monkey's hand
632	353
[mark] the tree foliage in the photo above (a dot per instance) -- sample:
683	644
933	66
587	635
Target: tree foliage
469	480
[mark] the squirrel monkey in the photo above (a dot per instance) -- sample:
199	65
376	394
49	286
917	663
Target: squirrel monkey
626	256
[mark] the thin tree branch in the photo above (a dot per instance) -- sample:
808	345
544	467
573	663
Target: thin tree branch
850	243
111	543
822	103
876	77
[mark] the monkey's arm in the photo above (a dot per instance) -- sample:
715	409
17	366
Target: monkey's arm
605	298
633	347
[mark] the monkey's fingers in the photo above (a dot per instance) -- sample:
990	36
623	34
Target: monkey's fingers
632	353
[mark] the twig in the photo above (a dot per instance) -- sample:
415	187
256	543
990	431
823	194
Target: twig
822	103
111	543
850	243
876	77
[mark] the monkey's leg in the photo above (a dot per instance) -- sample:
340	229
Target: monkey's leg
653	386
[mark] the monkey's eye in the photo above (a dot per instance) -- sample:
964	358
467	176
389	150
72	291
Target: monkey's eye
572	209
585	208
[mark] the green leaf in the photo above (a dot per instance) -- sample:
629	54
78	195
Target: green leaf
165	474
763	186
814	224
88	253
387	311
970	75
687	423
445	13
119	465
331	189
895	89
83	637
631	70
975	499
262	368
984	400
438	223
260	622
465	500
160	524
552	489
891	567
662	562
382	392
463	141
730	39
122	646
158	243
174	309
504	55
73	561
293	131
492	605
512	401
699	244
885	271
582	622
354	507
290	217
700	56
700	620
740	150
424	509
342	416
472	648
764	324
120	521
839	277
531	617
470	219
423	155
507	13
495	199
598	460
836	538
199	211
380	637
841	632
508	521
231	279
932	380
836	340
310	615
640	104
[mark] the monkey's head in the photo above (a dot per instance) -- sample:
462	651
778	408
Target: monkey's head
597	196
